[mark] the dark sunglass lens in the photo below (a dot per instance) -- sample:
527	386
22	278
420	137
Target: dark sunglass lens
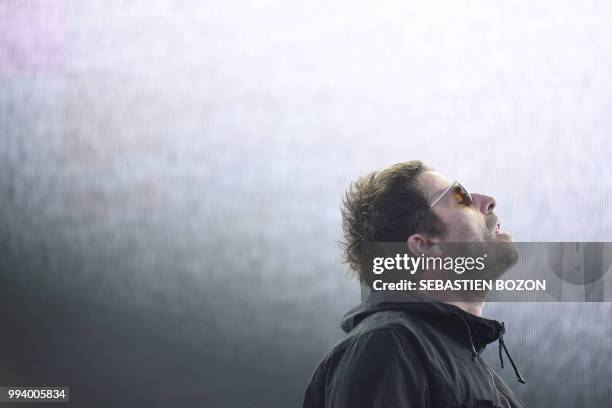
465	195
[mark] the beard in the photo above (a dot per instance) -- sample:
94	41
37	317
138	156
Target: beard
501	256
498	256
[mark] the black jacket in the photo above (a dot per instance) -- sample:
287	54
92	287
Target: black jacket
411	355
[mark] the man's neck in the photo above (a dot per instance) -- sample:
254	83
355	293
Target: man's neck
474	308
472	303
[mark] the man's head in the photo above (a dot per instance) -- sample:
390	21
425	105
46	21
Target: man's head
410	202
468	217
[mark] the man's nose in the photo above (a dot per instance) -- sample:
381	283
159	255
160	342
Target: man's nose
484	203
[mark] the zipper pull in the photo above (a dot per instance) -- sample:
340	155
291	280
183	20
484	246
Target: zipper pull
500	341
502	344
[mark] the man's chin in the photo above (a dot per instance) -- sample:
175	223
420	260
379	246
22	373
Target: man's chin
505	255
502	237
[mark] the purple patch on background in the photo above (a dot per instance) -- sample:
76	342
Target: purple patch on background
32	35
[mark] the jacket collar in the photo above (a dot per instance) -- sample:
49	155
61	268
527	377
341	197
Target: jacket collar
481	330
475	331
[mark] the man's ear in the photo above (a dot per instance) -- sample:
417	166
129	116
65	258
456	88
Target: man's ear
421	244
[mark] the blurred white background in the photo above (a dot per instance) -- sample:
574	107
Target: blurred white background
171	174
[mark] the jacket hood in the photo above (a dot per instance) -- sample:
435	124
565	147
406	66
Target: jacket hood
475	331
483	331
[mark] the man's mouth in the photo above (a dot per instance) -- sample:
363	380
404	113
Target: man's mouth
493	224
496	230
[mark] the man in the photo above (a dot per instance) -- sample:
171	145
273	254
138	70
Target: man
424	352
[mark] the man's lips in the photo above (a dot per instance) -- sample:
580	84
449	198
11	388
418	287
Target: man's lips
495	227
493	224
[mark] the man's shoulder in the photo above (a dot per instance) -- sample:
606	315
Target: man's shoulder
383	341
389	321
385	328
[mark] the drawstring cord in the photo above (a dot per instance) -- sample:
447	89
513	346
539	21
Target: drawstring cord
474	353
502	344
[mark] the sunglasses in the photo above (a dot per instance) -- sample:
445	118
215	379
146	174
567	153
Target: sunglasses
456	186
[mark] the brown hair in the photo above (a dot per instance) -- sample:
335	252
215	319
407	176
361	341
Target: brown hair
385	206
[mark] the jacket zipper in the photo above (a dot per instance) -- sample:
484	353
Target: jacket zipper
507	403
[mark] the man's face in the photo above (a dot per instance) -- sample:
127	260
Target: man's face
472	225
465	222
